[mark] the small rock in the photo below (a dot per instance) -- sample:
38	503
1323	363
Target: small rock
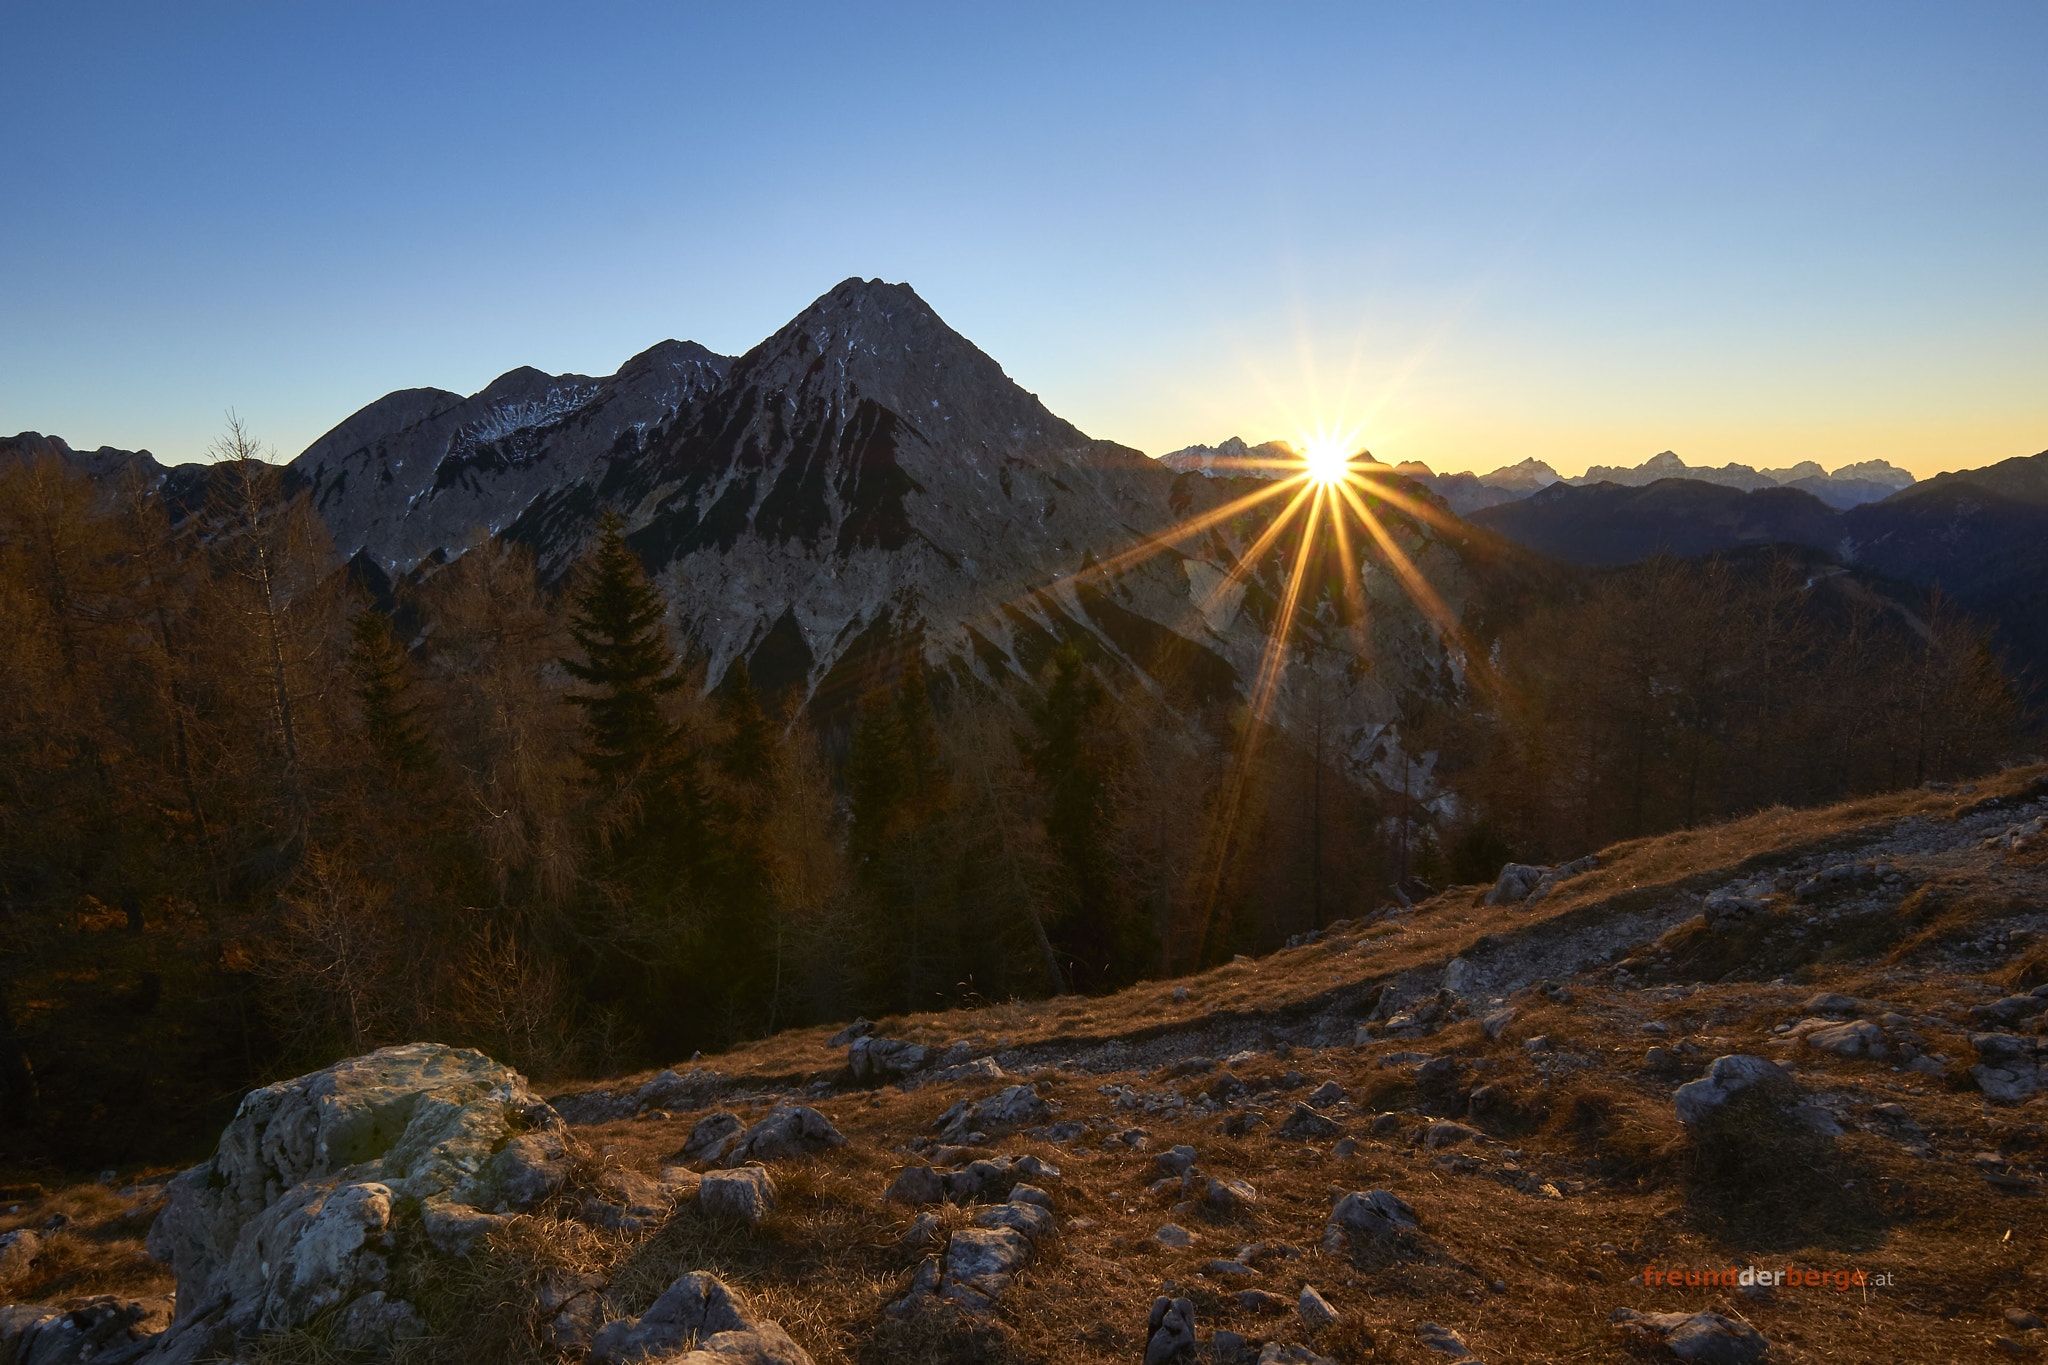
1496	1023
1180	995
1030	1221
1260	1301
1726	1077
1436	1069
1290	1353
1226	1346
1227	1268
1852	1039
928	1230
1230	1196
747	1194
1315	1310
1305	1124
1174	1237
1170	1332
1439	1338
1540	1043
2024	1321
789	1130
1028	1165
1345	1147
859	1028
1708	1338
1444	1133
1175	1160
711	1136
916	1185
17	1250
1327	1094
1030	1194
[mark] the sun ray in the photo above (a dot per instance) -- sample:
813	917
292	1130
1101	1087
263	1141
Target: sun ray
1248	561
1418	588
1354	587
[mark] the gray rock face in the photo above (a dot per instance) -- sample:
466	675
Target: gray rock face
1230	1196
299	1208
1702	1338
1027	1219
1170	1332
1853	1039
1515	882
698	1308
416	470
1726	1077
1364	1220
789	1130
984	1260
747	1194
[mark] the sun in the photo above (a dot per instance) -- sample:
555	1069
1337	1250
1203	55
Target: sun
1327	461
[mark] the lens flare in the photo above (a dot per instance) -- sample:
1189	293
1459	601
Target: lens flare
1326	461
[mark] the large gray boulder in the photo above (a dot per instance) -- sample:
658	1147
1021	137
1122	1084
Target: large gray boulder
301	1206
1012	1107
789	1130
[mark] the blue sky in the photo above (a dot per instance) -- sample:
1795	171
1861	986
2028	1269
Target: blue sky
1470	233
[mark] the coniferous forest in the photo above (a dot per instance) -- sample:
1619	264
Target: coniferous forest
255	818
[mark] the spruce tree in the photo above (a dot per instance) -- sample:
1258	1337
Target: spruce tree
617	624
384	687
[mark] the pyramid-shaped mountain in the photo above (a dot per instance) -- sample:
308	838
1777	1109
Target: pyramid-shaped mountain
864	483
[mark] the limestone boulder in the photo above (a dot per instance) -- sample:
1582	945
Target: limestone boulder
301	1206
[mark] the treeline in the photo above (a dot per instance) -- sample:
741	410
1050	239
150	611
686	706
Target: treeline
1673	693
247	828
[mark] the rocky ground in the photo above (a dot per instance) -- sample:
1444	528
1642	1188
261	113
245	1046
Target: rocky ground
1552	1119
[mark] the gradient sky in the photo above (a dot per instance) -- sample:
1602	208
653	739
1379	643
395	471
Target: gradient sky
1470	232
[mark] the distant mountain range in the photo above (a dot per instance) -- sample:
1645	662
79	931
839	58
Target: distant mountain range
865	482
1849	486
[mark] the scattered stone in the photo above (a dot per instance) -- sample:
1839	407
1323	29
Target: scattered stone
1230	1196
1708	1338
1030	1194
1060	1134
1031	1221
1831	1002
882	1059
1170	1332
712	1136
1725	1078
859	1028
2022	1320
1305	1124
1436	1070
1385	1123
747	1194
1174	1237
1853	1039
1010	1108
2007	1084
1440	1338
1175	1160
1362	1219
1240	1123
1497	1023
980	1263
1540	1043
789	1130
1028	1165
1290	1353
1226	1346
1515	883
916	1185
698	1308
1316	1313
1444	1133
1180	995
1327	1094
1345	1147
1227	1268
1457	974
1261	1301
